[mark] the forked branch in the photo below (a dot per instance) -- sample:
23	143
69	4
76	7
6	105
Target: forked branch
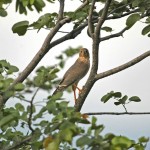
96	40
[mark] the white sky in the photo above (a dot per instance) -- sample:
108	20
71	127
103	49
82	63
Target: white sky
133	81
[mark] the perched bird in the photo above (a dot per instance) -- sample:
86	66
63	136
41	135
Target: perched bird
75	73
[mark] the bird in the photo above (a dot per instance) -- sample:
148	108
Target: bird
75	73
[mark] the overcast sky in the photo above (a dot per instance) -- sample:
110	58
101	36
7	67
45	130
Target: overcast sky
133	81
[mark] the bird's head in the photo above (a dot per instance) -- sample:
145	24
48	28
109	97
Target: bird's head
84	53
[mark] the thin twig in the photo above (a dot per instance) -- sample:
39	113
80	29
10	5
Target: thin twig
114	35
122	67
117	113
31	111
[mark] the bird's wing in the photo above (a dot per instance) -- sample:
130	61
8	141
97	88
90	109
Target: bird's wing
75	73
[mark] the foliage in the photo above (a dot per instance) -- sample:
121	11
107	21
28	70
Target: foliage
120	100
117	9
35	122
49	122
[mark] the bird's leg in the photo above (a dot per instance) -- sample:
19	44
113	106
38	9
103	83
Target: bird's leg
74	92
80	90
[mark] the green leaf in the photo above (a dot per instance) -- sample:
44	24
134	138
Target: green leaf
98	130
12	69
106	97
46	20
146	30
123	100
117	103
3	12
107	29
19	87
136	3
51	106
139	147
9	94
19	107
117	94
94	119
39	4
135	99
71	51
25	2
132	19
20	27
57	96
4	63
53	145
122	141
7	119
84	140
31	2
109	136
66	135
143	139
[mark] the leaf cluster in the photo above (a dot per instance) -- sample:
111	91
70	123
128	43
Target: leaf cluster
119	99
7	77
36	122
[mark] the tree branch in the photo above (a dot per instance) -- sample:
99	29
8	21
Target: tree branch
123	15
96	39
90	23
61	10
70	35
102	18
122	67
114	35
117	113
31	111
45	48
40	54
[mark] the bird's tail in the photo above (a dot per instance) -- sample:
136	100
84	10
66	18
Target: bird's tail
59	89
55	91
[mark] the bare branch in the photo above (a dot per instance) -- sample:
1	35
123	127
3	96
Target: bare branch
70	35
31	111
114	35
61	10
102	18
117	113
96	39
122	67
90	23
